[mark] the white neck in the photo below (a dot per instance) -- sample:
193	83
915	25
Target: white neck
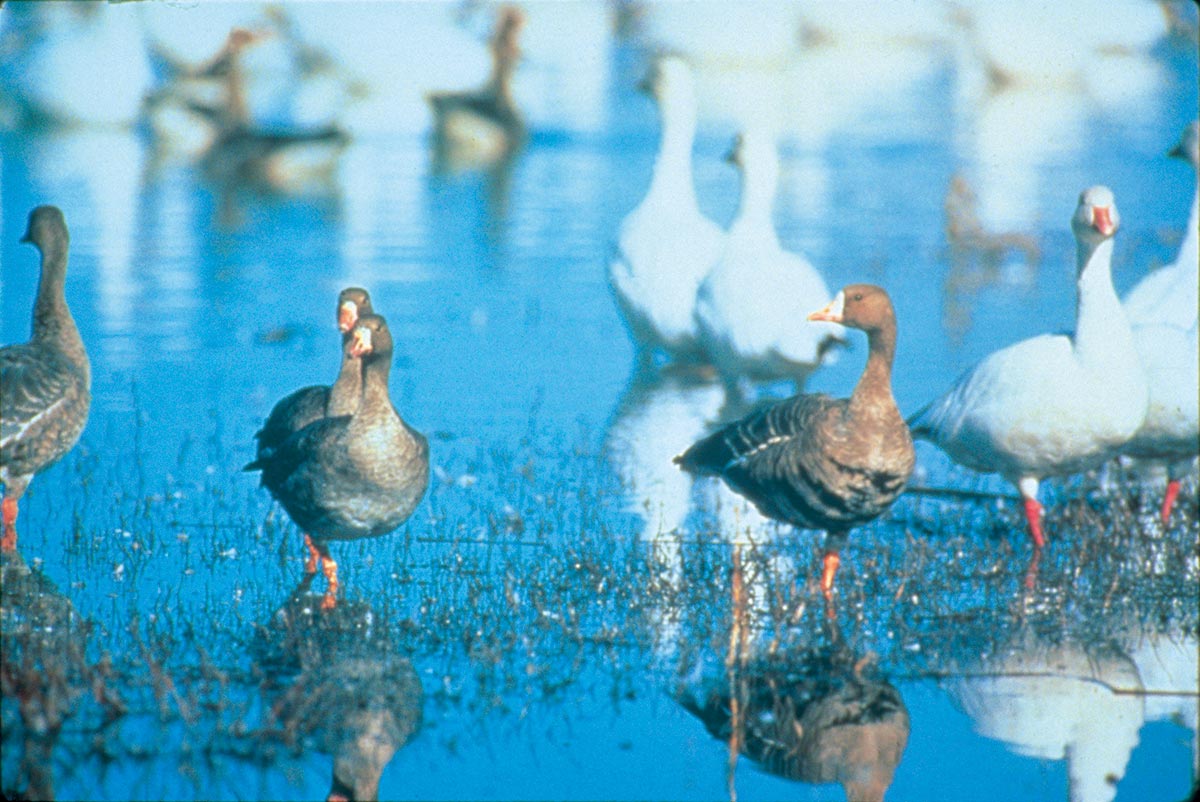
1102	334
760	176
672	178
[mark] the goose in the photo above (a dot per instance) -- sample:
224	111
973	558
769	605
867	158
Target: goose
817	719
748	304
45	384
308	404
354	699
1168	295
818	462
352	476
666	246
484	125
1055	404
1162	311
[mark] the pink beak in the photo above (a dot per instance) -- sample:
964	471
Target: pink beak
347	316
1102	220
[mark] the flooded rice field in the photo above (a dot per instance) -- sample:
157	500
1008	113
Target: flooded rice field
567	614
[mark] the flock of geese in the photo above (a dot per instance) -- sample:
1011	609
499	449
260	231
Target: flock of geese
345	465
1124	381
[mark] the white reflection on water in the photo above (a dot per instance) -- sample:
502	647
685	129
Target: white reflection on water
1060	702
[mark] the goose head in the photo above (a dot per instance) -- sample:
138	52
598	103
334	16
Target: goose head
860	306
371	339
46	225
1096	217
352	303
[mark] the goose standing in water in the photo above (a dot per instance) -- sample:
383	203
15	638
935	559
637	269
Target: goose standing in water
308	404
483	126
666	246
351	476
1055	404
748	305
1162	313
818	462
45	384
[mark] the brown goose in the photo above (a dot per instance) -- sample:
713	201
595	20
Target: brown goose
309	404
818	462
45	384
483	125
351	476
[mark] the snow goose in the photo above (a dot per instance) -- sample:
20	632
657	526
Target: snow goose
1162	311
665	246
351	476
1055	404
748	305
308	404
1168	295
45	384
818	462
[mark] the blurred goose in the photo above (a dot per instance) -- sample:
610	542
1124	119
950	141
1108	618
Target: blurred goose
308	404
1162	311
665	246
749	304
818	462
1168	295
45	384
483	125
1055	404
819	720
1082	704
356	698
351	476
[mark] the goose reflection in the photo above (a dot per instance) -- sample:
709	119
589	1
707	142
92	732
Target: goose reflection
1167	665
44	674
817	714
1070	700
354	698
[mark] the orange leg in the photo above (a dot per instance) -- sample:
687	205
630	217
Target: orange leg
9	540
329	568
314	554
829	566
1169	500
1033	514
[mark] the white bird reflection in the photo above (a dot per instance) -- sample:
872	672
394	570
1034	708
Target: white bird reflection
1168	668
1055	702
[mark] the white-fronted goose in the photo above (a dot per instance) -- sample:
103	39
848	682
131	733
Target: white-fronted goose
483	125
308	404
666	246
1055	404
352	476
45	384
818	462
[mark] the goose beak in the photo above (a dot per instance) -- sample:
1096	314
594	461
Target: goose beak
831	312
1102	220
347	316
362	342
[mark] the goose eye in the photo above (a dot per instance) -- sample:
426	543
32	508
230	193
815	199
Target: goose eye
858	296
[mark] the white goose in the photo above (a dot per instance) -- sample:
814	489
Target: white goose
1162	311
753	307
665	245
1054	404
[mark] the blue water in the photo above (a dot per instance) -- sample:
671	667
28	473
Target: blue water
551	639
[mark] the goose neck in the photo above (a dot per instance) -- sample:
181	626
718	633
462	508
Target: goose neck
875	385
1101	328
346	393
52	320
758	191
375	385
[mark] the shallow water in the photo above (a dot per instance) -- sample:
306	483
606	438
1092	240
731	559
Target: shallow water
555	630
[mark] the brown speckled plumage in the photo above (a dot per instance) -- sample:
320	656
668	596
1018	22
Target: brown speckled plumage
45	384
818	462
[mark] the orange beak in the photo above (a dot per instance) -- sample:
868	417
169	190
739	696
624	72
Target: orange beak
832	311
1102	220
347	316
362	342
